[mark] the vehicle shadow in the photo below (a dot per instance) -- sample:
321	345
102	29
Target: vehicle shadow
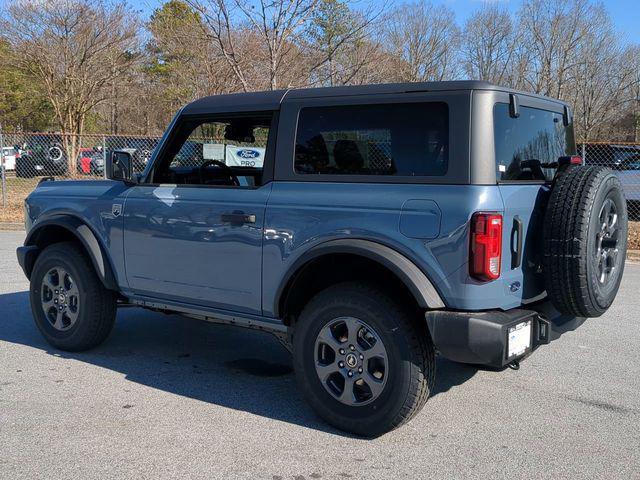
228	366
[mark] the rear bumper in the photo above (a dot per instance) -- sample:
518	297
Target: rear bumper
482	337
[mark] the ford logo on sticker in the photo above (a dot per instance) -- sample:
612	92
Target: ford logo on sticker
247	153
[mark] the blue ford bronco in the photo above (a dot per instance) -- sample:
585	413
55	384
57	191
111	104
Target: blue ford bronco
369	228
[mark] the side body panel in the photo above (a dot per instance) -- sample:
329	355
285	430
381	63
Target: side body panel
301	215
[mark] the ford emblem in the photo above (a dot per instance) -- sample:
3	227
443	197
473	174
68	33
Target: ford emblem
247	153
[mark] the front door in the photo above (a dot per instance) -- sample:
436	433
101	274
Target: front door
194	232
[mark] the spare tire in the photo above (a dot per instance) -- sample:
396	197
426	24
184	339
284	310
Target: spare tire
55	152
585	241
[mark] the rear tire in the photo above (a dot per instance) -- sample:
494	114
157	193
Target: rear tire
70	305
393	352
585	241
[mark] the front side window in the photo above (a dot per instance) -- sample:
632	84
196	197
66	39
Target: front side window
409	139
523	145
217	153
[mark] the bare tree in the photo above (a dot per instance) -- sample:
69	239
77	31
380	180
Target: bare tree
574	53
552	32
633	53
425	38
238	27
602	88
367	62
76	48
489	49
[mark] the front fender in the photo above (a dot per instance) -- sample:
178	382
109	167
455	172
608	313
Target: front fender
37	238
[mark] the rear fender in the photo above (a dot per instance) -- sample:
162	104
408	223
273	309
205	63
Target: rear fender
409	274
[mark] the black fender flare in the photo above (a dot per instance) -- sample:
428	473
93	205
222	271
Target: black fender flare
81	231
413	278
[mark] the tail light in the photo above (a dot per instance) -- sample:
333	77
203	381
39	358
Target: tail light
486	246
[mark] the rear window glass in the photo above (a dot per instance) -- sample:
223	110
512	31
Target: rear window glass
524	144
409	139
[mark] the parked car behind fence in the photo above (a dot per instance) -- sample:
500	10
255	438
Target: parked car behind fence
624	160
9	155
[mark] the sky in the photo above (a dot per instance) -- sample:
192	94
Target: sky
625	13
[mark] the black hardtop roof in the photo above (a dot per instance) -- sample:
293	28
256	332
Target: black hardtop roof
271	99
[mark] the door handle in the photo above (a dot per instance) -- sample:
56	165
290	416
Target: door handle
516	251
237	218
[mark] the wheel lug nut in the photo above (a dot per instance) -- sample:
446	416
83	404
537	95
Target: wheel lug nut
361	357
352	348
341	364
55	301
360	370
350	373
341	351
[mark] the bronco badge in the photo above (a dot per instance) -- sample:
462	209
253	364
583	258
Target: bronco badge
116	209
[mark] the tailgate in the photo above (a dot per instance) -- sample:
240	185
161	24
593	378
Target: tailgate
522	242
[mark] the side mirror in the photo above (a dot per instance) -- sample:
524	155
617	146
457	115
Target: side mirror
119	166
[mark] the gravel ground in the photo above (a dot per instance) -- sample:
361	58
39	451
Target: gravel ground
169	397
634	235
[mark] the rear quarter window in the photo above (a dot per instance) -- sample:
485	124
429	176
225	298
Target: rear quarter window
525	143
410	139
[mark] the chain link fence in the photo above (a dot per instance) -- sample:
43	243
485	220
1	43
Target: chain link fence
27	157
624	160
30	155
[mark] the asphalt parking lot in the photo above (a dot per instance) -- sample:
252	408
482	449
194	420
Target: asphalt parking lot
169	397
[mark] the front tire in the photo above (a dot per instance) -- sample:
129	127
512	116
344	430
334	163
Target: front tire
70	305
363	362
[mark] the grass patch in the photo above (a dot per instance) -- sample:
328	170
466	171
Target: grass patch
634	235
17	190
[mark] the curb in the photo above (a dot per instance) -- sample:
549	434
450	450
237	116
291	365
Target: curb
13	226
